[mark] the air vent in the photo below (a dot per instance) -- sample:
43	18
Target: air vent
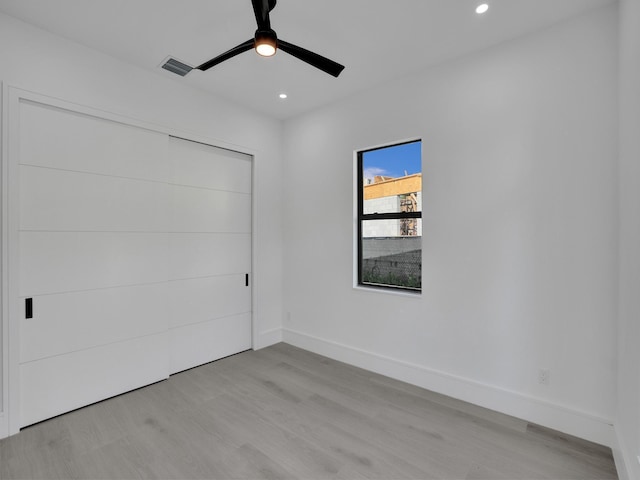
176	66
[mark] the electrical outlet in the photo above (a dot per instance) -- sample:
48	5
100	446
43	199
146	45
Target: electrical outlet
543	376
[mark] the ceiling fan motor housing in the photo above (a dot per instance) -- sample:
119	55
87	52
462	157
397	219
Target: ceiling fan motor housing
266	42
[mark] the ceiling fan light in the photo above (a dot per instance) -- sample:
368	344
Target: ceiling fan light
266	42
265	50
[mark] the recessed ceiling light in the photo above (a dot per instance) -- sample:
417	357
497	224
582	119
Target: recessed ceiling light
283	96
482	8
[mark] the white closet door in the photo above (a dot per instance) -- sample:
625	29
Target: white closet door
93	258
209	253
134	251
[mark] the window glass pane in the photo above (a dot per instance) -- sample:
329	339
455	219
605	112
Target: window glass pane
388	256
392	179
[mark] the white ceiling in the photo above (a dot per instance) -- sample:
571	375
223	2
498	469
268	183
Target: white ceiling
376	40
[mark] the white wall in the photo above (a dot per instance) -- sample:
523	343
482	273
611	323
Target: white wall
628	418
38	61
519	228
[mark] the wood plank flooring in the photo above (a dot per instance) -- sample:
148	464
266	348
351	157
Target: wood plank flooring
283	412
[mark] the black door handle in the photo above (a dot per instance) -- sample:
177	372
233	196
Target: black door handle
28	308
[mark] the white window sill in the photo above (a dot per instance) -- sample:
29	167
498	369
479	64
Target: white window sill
388	291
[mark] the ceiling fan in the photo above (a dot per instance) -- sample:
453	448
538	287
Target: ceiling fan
266	43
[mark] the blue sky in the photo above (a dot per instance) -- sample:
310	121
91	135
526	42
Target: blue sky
393	161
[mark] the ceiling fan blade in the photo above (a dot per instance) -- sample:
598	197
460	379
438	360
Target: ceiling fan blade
318	61
243	47
261	9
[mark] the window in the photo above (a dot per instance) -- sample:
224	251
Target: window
390	217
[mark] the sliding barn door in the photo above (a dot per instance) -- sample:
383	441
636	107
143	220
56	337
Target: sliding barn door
134	251
210	252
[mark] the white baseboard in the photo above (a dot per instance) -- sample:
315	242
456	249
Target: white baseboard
4	426
268	338
558	417
621	465
627	463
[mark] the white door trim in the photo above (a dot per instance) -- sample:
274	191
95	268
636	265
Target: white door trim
4	315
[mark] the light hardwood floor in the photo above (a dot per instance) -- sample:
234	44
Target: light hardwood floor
283	412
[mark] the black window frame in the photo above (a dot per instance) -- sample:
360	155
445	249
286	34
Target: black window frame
362	217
